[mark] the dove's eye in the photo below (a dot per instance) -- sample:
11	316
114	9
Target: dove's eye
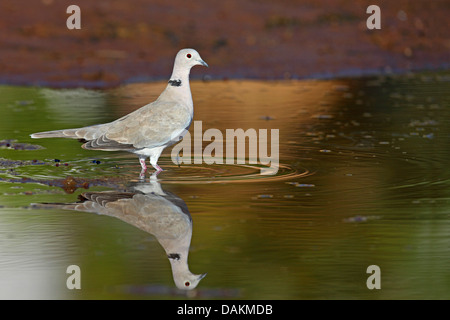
189	55
187	283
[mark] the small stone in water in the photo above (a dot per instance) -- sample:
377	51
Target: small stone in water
302	185
359	218
305	185
356	219
265	196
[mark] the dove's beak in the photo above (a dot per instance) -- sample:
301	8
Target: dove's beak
204	274
203	63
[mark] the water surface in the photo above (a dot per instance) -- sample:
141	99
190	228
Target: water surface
363	180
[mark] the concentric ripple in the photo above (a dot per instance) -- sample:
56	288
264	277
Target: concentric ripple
219	173
237	173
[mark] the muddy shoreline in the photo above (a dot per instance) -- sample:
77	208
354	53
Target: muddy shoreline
119	43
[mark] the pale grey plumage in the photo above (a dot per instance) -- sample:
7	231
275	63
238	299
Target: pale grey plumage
148	130
148	207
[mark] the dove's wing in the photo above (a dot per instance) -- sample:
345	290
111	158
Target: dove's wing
154	214
156	124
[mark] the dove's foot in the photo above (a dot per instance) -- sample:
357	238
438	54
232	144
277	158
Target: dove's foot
158	169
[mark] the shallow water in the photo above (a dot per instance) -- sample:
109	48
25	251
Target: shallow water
363	180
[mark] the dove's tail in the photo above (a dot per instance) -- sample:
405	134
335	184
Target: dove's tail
83	205
82	134
64	206
68	133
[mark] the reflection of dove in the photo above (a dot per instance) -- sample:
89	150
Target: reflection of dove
150	129
150	209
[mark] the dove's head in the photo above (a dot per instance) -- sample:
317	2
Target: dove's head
187	280
187	58
184	279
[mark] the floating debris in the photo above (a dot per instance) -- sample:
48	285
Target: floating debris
70	184
302	185
359	218
305	185
7	163
265	196
12	144
57	164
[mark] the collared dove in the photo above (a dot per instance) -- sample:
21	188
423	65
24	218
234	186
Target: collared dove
150	129
148	207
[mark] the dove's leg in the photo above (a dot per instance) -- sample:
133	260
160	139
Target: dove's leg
142	162
155	165
158	169
156	152
143	166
